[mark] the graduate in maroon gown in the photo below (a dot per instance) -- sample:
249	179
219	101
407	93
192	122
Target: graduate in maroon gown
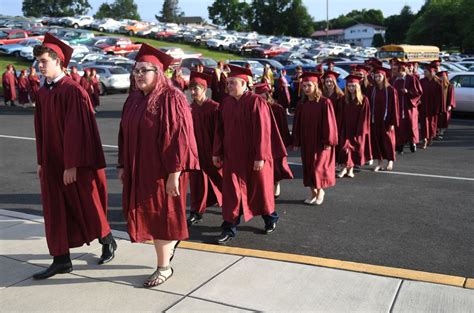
296	90
448	104
71	164
409	94
355	127
215	84
95	96
74	75
178	79
364	71
281	169
35	82
430	106
283	92
315	131
86	82
156	148
23	88
9	82
243	147
206	184
384	118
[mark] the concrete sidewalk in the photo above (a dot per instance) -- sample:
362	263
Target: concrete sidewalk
202	282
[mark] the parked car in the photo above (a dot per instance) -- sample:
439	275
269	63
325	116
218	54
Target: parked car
10	36
191	63
255	67
132	27
243	46
270	62
105	24
467	64
222	42
112	78
117	45
463	83
79	21
16	48
268	51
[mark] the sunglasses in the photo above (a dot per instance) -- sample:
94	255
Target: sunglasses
143	71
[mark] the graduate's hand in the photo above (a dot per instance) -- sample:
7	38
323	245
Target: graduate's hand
258	165
217	161
120	175
404	90
449	108
69	175
172	184
39	172
327	147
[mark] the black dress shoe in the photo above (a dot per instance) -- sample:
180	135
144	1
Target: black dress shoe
108	252
194	218
413	148
270	228
399	149
53	269
224	238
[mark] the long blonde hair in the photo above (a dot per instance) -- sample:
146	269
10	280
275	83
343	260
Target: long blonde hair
317	93
337	90
359	96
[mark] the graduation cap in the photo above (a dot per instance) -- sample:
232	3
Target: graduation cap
239	72
374	62
393	61
331	74
200	78
261	88
442	73
63	51
382	70
364	69
436	62
310	77
353	79
319	68
403	65
430	67
150	54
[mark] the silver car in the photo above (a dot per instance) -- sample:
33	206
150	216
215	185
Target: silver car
463	90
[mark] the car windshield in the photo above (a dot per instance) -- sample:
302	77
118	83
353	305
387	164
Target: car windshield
3	35
209	62
117	70
267	46
256	65
110	41
221	38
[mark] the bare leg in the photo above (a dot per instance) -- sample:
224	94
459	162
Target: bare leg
164	271
351	172
320	196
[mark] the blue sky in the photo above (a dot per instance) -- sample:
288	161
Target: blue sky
317	8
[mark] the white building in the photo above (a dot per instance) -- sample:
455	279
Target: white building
362	34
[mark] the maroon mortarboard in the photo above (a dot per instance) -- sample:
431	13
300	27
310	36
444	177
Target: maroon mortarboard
319	67
382	70
403	65
202	79
239	72
364	69
430	67
261	88
23	71
63	51
393	61
310	77
436	62
330	74
150	54
374	62
353	79
442	73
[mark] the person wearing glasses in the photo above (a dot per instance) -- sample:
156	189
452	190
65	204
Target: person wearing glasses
156	147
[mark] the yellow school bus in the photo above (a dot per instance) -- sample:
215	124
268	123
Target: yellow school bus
409	53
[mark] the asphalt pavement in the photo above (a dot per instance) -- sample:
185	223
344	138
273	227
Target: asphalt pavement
419	217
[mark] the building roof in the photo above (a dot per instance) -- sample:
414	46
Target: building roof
191	20
368	25
331	32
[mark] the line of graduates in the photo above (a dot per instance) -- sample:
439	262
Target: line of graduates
233	153
23	88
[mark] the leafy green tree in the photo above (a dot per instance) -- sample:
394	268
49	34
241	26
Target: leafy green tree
371	16
58	8
398	25
119	9
378	41
232	14
170	13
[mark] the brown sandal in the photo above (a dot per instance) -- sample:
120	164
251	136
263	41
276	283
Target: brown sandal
157	278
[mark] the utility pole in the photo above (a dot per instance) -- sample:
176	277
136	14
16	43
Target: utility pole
327	20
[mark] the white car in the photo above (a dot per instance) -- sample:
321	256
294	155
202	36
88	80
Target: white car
463	90
106	24
80	21
222	42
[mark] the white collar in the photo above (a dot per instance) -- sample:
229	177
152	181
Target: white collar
57	78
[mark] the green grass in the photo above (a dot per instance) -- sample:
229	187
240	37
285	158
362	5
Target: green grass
216	55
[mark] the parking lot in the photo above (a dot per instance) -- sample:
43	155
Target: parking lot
420	216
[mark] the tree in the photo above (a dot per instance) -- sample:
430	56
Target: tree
118	10
378	41
37	8
170	13
354	17
300	23
232	14
398	25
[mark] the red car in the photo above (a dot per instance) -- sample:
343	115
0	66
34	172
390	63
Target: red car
165	34
11	36
117	45
268	51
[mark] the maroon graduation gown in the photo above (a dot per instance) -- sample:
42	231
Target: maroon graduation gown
9	86
448	100
95	96
407	130
34	81
66	137
314	127
23	90
283	92
281	169
384	113
244	135
206	184
76	77
430	107
155	140
180	83
355	130
215	86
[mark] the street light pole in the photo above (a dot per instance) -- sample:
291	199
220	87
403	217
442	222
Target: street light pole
327	20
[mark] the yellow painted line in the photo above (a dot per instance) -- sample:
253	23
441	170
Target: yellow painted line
469	283
337	264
